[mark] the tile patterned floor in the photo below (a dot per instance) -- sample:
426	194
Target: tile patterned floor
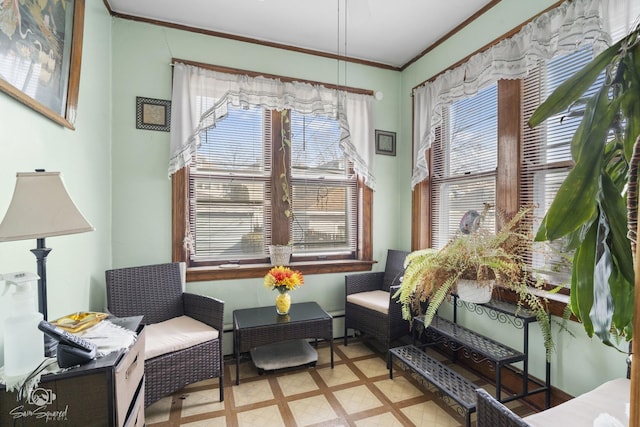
357	392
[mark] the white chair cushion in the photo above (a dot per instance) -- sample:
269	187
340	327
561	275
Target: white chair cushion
176	334
373	300
610	398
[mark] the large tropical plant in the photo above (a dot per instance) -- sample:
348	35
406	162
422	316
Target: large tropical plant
591	207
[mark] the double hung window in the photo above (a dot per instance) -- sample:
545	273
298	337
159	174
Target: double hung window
546	154
259	161
241	167
464	164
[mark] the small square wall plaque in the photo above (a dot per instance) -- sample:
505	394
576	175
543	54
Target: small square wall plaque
385	142
153	114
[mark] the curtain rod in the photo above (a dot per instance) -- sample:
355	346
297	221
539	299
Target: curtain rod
230	70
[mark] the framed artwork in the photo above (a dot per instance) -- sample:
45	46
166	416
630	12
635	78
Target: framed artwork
40	55
153	114
385	142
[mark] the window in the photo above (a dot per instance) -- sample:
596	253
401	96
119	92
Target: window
229	188
324	190
464	164
532	163
235	192
546	156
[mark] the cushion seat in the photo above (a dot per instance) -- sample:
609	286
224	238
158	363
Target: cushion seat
176	334
369	306
183	330
373	300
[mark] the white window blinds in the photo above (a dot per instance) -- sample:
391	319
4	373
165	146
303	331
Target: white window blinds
323	188
546	156
564	29
230	187
464	164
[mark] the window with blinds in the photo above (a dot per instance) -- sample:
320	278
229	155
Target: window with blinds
231	179
464	162
546	156
324	188
229	184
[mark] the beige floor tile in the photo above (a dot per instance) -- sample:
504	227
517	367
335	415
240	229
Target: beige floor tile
252	392
199	402
247	370
253	403
324	355
263	417
297	383
159	411
373	367
357	399
311	410
356	349
398	389
429	414
384	420
340	374
213	382
209	422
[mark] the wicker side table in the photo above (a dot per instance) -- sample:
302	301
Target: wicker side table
254	327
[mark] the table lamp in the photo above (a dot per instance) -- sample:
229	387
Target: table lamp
41	207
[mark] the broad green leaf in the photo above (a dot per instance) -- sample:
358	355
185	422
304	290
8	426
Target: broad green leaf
615	210
582	279
574	87
630	104
601	311
622	293
575	201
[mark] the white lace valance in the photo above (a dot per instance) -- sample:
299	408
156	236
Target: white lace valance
200	98
570	26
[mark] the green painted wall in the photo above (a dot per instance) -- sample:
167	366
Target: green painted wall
141	188
579	363
76	265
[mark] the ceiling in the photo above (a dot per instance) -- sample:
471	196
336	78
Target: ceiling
386	33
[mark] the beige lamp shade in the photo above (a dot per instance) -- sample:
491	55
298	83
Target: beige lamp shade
41	207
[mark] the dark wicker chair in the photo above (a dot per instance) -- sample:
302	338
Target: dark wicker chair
492	413
385	328
156	292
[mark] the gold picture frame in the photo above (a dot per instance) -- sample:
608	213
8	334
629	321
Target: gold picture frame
40	56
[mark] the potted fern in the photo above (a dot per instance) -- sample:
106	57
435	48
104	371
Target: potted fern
487	258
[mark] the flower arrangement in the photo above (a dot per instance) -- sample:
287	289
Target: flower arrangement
283	279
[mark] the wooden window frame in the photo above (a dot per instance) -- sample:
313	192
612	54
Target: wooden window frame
180	213
507	180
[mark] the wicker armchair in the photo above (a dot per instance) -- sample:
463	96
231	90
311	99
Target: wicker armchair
492	413
157	292
369	304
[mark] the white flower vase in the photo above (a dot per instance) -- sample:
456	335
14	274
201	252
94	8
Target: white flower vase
279	254
474	291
